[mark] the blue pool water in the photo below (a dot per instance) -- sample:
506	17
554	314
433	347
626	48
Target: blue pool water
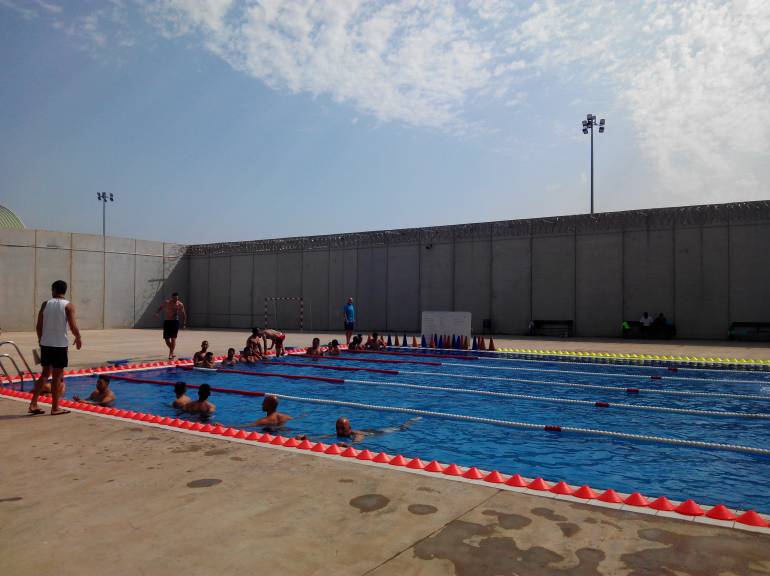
707	475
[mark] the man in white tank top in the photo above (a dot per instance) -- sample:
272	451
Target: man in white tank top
52	321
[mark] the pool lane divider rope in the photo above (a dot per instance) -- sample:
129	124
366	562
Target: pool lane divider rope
688	509
466	418
474	391
611	357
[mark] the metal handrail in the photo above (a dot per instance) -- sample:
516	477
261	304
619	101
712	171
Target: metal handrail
18	351
10	380
18	370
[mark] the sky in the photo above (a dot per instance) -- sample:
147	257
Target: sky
221	120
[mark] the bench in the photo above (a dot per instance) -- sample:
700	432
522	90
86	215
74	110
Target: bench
561	328
752	331
634	329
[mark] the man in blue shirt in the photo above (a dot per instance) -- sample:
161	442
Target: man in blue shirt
350	319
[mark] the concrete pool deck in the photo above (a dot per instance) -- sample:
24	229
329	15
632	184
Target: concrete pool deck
144	345
80	494
87	495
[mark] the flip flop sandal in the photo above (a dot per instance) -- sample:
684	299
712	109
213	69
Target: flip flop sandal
35	412
60	412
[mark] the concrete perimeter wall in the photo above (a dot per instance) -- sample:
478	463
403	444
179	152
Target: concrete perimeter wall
113	282
702	266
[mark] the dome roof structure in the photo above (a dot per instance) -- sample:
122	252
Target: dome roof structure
9	220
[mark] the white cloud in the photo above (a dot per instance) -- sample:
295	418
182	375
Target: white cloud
692	75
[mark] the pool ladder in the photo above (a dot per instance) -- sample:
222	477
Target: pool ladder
19	371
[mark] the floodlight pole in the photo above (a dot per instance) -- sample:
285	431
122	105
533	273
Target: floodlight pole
588	124
103	197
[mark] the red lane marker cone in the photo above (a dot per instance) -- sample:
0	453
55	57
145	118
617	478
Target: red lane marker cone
721	512
434	466
494	477
453	470
217	429
267	438
398	461
253	436
242	434
333	449
562	488
473	473
636	499
365	455
177	423
291	443
396	342
206	428
416	464
517	481
689	508
230	432
585	492
197	426
751	518
166	421
538	484
491	346
304	445
610	496
278	440
349	452
319	447
382	458
151	418
663	504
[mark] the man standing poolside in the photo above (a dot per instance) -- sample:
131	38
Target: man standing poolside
350	319
52	321
173	316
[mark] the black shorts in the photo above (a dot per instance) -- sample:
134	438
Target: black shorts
170	328
53	357
350	325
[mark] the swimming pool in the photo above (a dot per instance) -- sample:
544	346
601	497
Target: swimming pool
729	407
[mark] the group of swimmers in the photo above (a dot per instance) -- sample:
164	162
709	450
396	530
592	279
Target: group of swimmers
373	342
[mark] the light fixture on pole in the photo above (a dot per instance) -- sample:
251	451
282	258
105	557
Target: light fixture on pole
103	197
588	125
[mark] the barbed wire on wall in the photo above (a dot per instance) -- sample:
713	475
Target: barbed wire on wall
652	219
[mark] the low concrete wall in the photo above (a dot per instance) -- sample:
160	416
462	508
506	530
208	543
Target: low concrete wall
113	282
702	266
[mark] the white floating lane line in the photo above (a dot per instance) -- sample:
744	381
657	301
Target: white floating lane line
593	386
607	374
610	360
565	400
527	425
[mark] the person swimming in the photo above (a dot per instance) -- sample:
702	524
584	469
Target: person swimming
102	396
182	399
345	430
208	361
272	418
333	349
315	349
231	360
202	404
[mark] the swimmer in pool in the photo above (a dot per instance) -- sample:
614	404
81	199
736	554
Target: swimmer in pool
254	342
208	361
202	404
230	360
315	349
102	396
200	354
182	399
272	418
333	349
345	431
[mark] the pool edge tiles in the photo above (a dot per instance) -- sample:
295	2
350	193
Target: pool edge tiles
684	511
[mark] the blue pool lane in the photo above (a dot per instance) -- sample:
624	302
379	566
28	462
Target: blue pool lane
709	476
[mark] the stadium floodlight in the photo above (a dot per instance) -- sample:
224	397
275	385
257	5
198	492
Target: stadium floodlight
588	125
104	197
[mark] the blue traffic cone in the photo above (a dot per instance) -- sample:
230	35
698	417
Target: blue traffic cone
423	344
475	344
390	342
